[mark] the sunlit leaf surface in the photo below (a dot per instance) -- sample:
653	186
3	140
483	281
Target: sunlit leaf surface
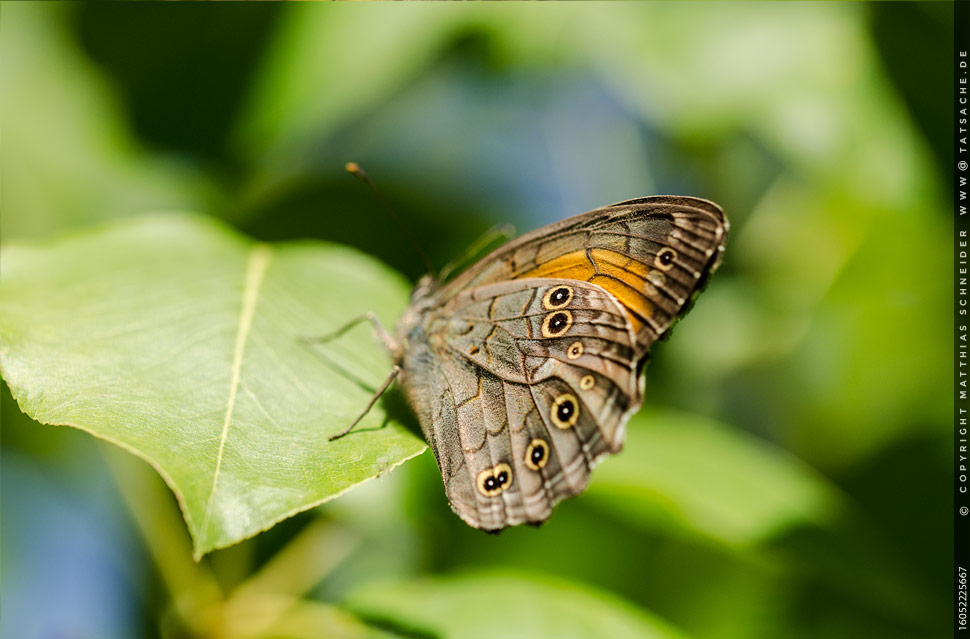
177	339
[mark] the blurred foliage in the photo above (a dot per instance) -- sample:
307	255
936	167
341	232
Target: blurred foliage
788	477
453	607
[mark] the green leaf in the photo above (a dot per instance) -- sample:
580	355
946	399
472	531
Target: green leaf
490	604
687	472
177	339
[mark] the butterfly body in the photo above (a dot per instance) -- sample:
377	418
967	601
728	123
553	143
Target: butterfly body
524	369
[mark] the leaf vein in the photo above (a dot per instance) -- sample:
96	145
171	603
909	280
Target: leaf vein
256	267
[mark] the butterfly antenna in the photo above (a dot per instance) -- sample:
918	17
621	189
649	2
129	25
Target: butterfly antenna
501	232
354	169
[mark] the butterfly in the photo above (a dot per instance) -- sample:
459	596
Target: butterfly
524	369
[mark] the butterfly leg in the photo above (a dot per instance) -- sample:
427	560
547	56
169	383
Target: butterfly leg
373	400
369	316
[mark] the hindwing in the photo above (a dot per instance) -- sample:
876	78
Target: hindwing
538	380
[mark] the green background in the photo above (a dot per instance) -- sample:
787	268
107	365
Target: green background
788	475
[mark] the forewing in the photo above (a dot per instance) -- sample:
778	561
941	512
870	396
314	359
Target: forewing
653	254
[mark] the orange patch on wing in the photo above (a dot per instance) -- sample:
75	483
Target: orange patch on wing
635	304
622	276
571	266
618	265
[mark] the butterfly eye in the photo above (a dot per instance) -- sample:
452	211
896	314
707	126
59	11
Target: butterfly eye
665	259
556	323
575	350
493	481
565	411
558	297
537	454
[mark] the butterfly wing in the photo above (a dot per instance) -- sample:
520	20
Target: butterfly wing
523	369
653	254
520	391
